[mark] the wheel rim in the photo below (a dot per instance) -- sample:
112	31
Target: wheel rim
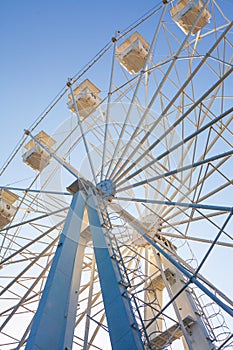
188	166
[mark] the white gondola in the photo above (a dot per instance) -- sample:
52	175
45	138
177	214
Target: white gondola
185	12
35	156
124	241
7	210
87	98
132	53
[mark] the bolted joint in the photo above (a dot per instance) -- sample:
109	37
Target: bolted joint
26	132
106	189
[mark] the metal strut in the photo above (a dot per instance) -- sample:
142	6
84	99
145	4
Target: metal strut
123	328
54	322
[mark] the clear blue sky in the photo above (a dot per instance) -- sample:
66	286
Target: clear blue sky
45	42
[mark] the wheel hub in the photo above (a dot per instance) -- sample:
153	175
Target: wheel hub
107	189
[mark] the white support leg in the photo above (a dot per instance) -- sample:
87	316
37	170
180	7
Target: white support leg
199	338
54	322
197	332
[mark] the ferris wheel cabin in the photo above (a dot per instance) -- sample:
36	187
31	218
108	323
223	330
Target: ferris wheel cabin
36	157
132	53
7	210
87	98
185	12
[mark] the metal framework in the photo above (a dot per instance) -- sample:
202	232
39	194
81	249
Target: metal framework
134	254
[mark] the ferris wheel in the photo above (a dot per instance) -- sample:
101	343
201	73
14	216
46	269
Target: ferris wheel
119	235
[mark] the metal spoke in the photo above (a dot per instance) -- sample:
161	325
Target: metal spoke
197	239
187	167
191	277
178	94
135	96
186	205
140	259
108	108
177	122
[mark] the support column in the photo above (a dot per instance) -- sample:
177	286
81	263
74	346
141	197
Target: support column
54	322
153	297
199	337
123	330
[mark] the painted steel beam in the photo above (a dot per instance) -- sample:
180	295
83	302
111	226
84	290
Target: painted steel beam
191	276
177	204
123	329
54	322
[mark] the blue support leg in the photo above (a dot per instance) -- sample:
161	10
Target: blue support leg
54	322
123	330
